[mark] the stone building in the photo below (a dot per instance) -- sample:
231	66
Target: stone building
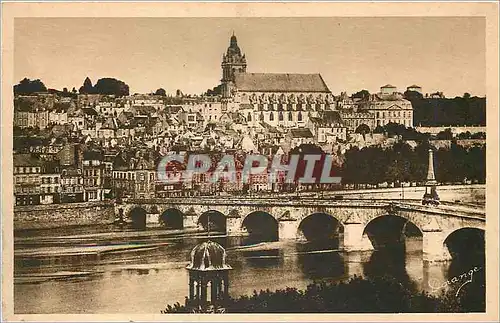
93	169
354	121
328	127
390	107
280	99
27	180
50	183
71	185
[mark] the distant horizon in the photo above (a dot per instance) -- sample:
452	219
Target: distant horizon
352	54
70	88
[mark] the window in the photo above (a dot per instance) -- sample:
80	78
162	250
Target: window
280	116
299	116
271	116
249	117
290	116
261	117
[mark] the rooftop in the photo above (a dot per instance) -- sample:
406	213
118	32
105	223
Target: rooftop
208	256
26	160
273	82
301	133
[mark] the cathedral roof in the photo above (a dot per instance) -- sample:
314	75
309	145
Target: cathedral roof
273	82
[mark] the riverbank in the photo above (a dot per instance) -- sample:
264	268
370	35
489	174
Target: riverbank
63	215
358	295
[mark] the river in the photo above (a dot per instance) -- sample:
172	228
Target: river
104	270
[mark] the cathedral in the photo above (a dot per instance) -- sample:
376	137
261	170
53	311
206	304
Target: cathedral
279	99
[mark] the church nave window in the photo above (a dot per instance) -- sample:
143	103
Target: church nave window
280	116
271	116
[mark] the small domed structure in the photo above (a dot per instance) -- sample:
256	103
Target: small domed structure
208	255
208	276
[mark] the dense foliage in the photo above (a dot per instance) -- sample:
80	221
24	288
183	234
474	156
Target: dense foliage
27	86
358	295
466	110
401	163
87	87
105	86
161	92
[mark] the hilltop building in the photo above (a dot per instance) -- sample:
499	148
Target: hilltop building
279	99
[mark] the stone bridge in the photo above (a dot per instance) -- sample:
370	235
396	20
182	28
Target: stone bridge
237	216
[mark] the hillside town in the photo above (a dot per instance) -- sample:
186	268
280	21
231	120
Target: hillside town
90	145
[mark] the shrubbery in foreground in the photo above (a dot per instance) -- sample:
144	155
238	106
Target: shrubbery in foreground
358	295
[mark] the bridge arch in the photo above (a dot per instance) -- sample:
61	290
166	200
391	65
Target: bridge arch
138	217
319	226
213	220
466	243
392	230
261	225
172	218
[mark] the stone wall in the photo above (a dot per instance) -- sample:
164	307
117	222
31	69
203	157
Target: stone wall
61	215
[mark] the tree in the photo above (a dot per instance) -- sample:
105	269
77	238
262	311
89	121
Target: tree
111	86
413	95
358	295
466	96
26	86
446	134
74	90
363	94
378	129
445	112
161	92
87	87
363	129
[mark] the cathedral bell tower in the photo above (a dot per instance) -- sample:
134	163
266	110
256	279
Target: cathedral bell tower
232	62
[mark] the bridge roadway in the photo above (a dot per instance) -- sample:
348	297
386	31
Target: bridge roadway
435	223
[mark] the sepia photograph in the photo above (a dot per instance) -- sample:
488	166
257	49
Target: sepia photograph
201	162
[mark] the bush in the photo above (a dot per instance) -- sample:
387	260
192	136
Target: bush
358	295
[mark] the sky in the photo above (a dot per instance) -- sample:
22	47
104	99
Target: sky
438	53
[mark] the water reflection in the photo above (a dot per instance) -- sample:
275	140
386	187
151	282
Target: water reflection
321	266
